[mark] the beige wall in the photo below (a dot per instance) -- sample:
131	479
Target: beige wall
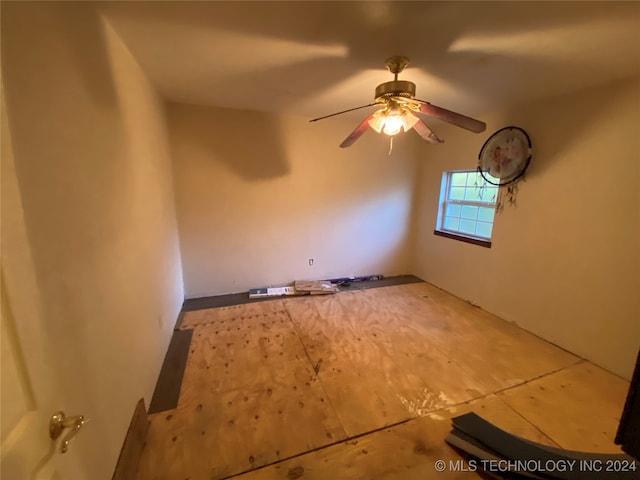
565	263
259	194
94	172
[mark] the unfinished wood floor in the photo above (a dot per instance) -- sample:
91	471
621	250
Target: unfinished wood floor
362	385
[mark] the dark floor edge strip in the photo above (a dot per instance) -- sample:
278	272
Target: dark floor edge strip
192	304
176	326
167	391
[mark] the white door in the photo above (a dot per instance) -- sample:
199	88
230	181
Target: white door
29	393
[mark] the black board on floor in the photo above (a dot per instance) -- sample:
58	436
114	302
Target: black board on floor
167	391
571	465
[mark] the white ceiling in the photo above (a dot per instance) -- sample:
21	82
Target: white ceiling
315	58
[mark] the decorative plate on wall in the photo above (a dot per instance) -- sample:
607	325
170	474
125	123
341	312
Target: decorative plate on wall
505	155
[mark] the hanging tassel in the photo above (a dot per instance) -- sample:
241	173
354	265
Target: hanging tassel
390	145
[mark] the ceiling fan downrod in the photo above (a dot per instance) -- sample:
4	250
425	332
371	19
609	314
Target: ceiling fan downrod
396	88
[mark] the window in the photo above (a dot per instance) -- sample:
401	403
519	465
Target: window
467	206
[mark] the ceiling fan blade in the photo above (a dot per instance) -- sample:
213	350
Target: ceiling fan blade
344	111
454	118
425	132
357	133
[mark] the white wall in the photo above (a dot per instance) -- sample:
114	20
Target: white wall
259	194
565	263
94	171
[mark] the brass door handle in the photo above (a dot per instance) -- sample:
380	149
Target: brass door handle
59	422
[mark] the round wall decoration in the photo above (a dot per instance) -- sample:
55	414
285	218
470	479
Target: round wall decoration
505	155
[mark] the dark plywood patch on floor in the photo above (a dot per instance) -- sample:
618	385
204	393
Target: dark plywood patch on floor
192	304
242	298
167	392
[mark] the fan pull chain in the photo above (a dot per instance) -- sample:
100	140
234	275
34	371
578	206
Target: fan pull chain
390	145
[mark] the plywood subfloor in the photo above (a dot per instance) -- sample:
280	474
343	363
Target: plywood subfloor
363	385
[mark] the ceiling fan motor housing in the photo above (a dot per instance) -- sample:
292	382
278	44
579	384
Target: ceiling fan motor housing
396	88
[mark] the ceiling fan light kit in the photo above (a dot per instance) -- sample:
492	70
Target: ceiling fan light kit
399	108
391	121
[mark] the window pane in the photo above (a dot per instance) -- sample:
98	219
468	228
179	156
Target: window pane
474	179
453	210
486	214
468	226
490	194
459	179
473	194
484	229
457	193
469	212
451	223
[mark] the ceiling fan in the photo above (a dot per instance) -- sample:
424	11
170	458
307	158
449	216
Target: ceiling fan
399	107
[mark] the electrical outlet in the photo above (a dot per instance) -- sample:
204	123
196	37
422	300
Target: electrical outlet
311	262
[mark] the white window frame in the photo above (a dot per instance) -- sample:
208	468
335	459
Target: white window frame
445	188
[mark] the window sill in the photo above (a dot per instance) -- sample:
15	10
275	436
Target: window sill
464	238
